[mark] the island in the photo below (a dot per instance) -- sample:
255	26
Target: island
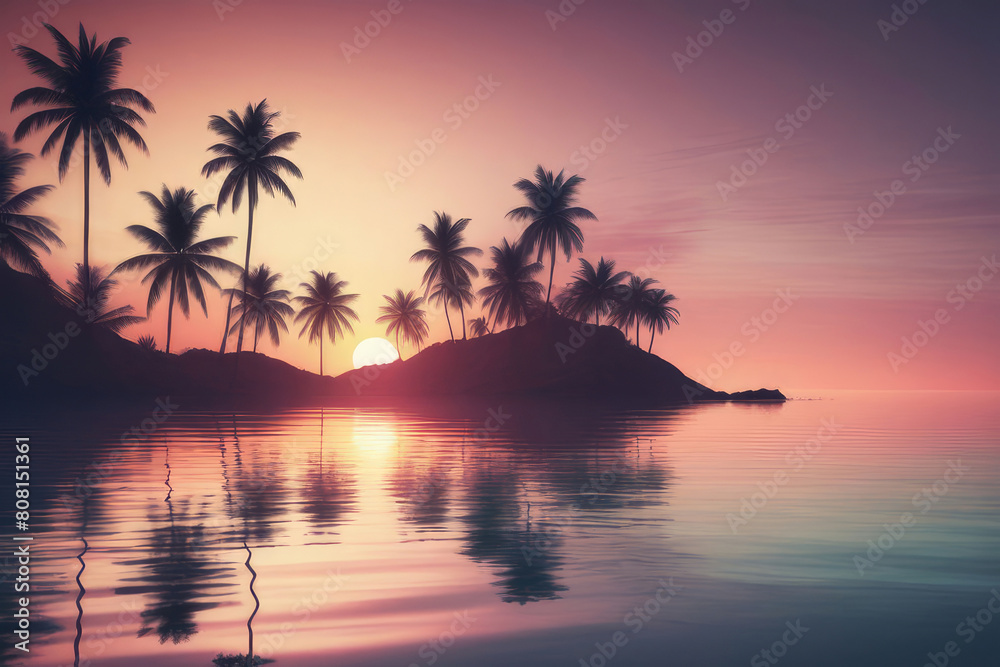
49	351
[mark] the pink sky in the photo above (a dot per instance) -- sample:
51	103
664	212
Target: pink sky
676	135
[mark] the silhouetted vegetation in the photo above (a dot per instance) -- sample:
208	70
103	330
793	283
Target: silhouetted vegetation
404	316
80	101
324	308
248	152
177	256
262	306
90	295
512	289
22	234
449	272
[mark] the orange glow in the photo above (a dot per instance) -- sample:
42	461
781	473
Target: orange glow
654	186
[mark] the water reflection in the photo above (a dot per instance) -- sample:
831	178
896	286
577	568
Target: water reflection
328	493
571	515
500	533
422	492
179	574
507	500
256	607
257	495
79	604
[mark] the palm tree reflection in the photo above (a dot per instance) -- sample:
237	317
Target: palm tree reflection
79	583
423	492
258	496
500	532
177	574
521	489
328	495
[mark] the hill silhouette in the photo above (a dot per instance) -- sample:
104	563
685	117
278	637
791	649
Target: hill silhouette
49	350
553	356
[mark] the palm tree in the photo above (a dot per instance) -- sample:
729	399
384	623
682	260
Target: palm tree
262	306
446	261
21	233
177	256
631	305
478	327
82	100
90	296
512	286
593	291
325	307
249	151
147	343
553	215
457	294
405	316
659	313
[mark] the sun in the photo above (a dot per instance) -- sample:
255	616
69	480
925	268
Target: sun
374	352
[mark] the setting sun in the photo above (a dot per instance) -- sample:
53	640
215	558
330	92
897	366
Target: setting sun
533	332
374	352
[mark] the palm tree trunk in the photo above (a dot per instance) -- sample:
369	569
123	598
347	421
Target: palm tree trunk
225	334
321	352
637	331
246	262
450	332
256	336
86	215
652	334
253	578
397	346
170	309
461	310
552	269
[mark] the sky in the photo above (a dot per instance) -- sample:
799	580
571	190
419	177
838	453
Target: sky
728	150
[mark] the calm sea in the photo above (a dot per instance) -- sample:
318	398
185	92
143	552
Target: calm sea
848	529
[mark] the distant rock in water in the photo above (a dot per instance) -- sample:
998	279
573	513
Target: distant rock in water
48	350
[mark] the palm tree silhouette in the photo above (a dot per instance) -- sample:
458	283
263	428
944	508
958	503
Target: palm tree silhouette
147	342
177	256
446	262
478	327
632	304
457	294
249	151
553	215
325	307
659	313
594	291
512	288
262	306
21	233
404	316
82	100
91	295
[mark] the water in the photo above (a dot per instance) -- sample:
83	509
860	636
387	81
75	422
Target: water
427	534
